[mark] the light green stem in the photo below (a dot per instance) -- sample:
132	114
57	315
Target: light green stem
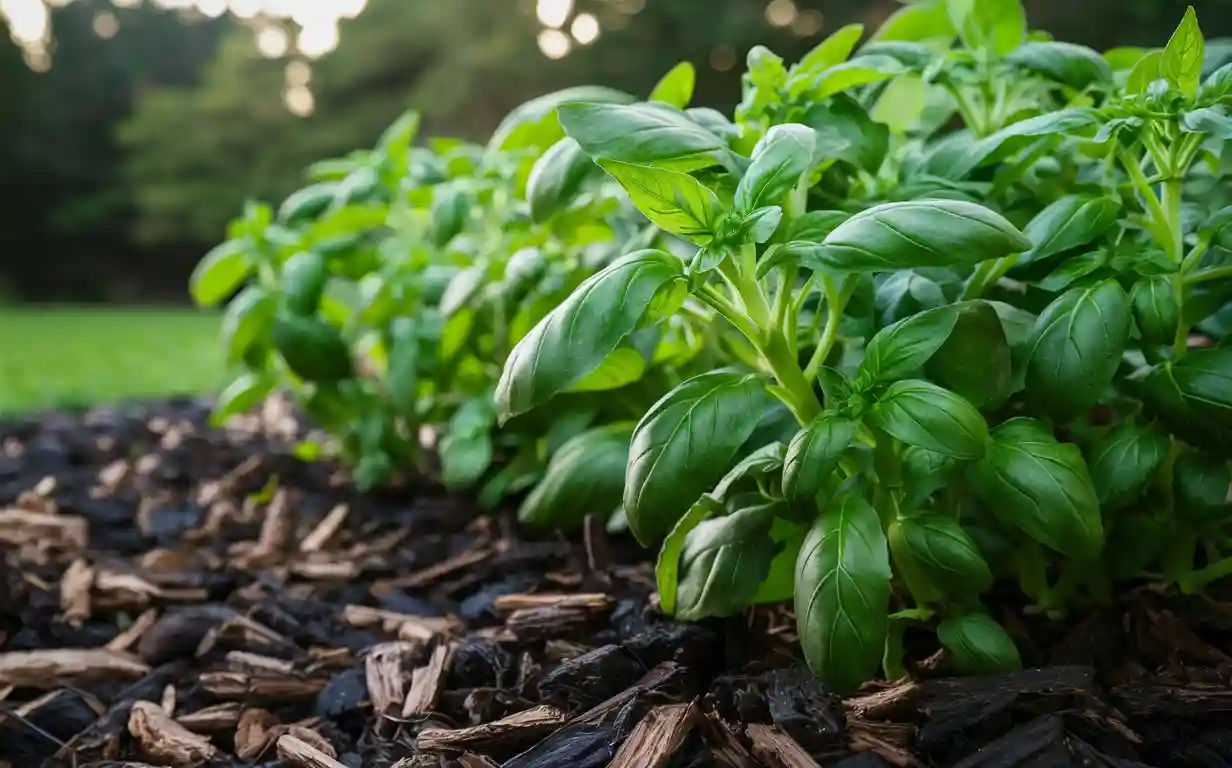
804	403
836	304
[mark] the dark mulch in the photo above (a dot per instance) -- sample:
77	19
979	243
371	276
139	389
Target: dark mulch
173	596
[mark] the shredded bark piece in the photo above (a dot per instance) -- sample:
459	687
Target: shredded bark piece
243	661
433	573
254	732
135	631
384	669
240	686
215	719
75	587
407	627
530	723
325	530
164	739
862	740
883	703
43	669
657	737
23	526
427	682
777	748
299	753
277	532
596	602
725	745
326	570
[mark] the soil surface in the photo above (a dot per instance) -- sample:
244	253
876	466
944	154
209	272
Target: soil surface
172	595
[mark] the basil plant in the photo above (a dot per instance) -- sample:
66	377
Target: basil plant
387	294
970	291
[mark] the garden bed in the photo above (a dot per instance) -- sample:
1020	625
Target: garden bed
176	595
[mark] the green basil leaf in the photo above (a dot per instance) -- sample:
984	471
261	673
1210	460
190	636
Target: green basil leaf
573	340
918	22
1073	269
835	49
535	123
902	104
1217	84
779	160
944	552
708	258
1041	486
978	645
1201	485
245	392
1201	424
556	177
1069	222
1182	58
1123	460
862	70
1148	69
683	446
219	273
999	26
1017	136
779	585
451	206
248	320
919	233
586	476
1074	65
1075	349
676	202
918	412
649	134
905	293
667	568
845	132
901	349
724	561
761	463
312	349
985	379
461	289
923	473
1123	57
814	225
1155	309
1193	398
306	204
814	454
304	276
676	87
843	594
402	367
621	368
464	458
1213	120
760	225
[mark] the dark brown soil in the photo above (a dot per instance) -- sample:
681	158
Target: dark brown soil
175	596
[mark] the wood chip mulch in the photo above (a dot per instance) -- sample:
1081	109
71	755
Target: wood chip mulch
173	595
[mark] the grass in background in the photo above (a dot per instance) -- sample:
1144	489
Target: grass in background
51	357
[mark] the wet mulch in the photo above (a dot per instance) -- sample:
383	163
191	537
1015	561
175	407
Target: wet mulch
172	595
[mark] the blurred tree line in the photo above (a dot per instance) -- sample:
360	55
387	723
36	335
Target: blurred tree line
123	162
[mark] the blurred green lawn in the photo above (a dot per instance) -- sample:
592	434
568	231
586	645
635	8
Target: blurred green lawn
51	357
